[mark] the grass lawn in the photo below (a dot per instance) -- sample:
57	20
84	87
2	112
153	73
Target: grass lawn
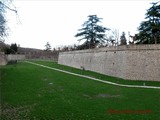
98	75
32	92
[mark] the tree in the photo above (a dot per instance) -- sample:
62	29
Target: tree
3	6
149	30
112	37
13	48
10	49
123	39
116	35
48	46
2	22
91	32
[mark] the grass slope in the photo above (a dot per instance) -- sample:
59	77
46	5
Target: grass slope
98	75
32	92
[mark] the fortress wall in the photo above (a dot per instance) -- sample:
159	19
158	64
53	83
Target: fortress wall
15	57
133	62
3	59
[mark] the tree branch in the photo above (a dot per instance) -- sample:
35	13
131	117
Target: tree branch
8	7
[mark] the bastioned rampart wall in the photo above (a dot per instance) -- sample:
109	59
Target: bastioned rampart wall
132	62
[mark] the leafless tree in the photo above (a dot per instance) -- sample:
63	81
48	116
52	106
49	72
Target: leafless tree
4	5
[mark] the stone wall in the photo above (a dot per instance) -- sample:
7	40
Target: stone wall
15	57
134	62
32	53
3	59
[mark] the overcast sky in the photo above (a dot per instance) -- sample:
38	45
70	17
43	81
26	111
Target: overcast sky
57	21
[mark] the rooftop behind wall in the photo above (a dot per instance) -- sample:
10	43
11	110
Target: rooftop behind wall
135	62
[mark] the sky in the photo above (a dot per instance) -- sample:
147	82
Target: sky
57	21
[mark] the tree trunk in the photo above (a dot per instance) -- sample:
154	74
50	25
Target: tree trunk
155	39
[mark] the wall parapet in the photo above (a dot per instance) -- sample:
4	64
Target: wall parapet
118	48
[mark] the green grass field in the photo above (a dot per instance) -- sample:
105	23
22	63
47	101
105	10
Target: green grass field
30	92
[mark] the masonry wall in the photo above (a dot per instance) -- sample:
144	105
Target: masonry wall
31	53
133	62
15	57
3	59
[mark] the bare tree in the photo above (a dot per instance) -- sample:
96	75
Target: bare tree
4	5
48	46
116	36
112	37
